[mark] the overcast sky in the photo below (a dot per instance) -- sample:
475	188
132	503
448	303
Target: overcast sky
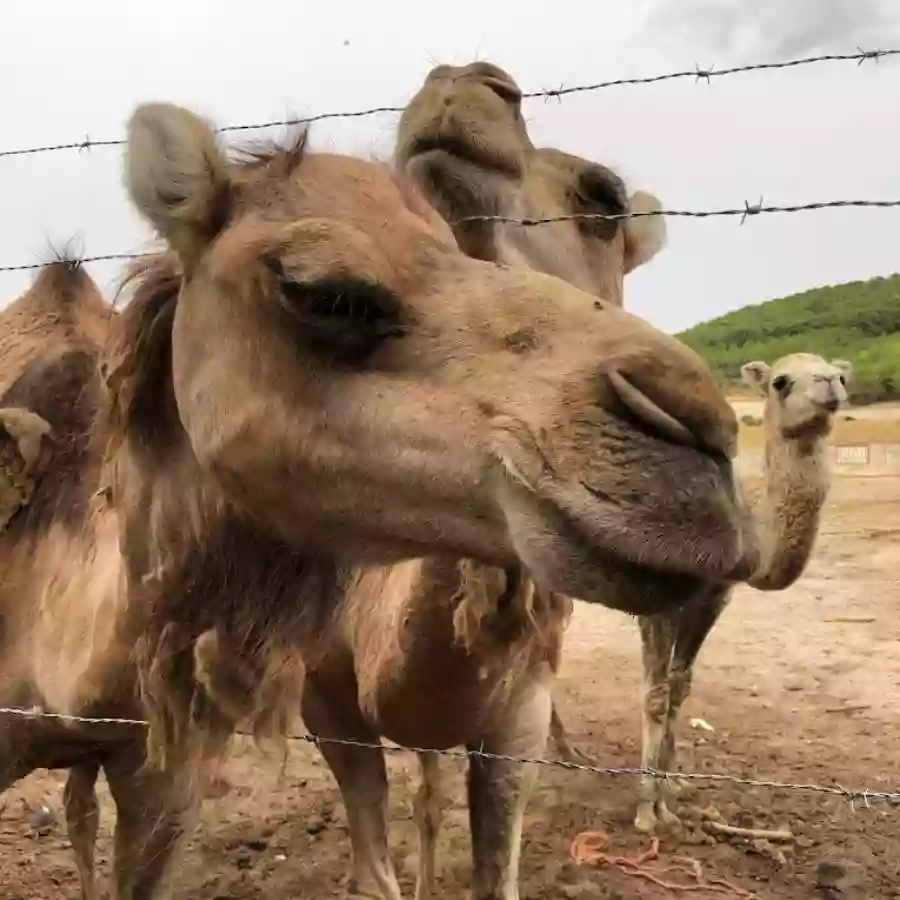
824	132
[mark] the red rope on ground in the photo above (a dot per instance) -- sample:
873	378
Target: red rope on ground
592	847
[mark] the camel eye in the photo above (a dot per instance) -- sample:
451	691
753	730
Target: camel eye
842	380
780	383
342	317
602	189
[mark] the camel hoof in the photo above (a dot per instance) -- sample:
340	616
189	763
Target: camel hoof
216	788
357	891
666	817
645	821
675	787
653	817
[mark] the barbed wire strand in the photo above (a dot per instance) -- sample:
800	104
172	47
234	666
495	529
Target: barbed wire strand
105	257
745	211
852	795
696	73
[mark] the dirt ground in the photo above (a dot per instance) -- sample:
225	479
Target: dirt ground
793	694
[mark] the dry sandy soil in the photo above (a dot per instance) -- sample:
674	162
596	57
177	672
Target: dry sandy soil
794	694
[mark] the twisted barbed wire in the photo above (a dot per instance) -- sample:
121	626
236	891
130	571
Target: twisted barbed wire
744	212
105	257
852	795
696	73
706	74
88	144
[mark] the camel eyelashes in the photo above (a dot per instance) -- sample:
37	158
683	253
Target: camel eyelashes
342	317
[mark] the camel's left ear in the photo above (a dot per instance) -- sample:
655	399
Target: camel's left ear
177	177
645	236
756	374
845	367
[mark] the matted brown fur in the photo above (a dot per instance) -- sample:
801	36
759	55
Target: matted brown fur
136	364
195	698
504	613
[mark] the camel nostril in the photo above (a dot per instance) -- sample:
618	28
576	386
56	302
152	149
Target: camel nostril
831	404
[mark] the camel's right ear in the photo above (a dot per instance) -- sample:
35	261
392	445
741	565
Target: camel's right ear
846	369
756	374
177	177
645	236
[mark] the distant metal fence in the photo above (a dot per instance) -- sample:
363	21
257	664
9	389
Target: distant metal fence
846	459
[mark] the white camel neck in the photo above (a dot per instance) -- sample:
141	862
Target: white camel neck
796	478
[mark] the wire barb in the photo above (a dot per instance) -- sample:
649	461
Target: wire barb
752	210
870	54
867	795
704	73
558	93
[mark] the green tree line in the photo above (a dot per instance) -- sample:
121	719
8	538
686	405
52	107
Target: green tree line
858	321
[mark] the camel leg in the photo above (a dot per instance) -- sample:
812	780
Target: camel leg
657	643
83	822
694	625
155	810
215	784
427	812
12	766
361	775
564	749
499	791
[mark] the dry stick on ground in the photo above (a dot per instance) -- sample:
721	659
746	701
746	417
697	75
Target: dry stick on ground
766	834
713	819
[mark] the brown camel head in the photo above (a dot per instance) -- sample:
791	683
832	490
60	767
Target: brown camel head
356	385
463	140
803	391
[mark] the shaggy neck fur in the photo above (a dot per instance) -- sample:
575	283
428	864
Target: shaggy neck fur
796	480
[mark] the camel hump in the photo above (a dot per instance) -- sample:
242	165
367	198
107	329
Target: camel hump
62	309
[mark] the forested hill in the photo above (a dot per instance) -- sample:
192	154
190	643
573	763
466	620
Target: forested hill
859	321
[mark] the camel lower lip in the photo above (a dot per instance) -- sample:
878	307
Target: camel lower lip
455	149
585	548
